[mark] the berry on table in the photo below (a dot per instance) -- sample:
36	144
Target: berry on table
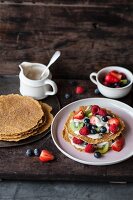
97	91
29	152
73	83
97	154
67	96
37	152
79	90
46	156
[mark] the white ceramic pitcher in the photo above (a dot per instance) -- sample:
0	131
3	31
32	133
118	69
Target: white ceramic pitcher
32	85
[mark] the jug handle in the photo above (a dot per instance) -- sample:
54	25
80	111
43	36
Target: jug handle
53	85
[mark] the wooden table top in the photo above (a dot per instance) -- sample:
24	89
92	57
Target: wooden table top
14	165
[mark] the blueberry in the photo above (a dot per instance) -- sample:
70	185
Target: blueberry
97	154
73	83
103	129
93	131
89	126
97	91
37	152
93	126
86	120
29	152
117	84
67	96
104	119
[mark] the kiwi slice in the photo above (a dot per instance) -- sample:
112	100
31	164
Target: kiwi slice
78	127
104	148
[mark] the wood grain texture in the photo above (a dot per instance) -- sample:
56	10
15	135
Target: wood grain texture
15	165
90	35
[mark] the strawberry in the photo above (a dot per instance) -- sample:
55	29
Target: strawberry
116	74
111	79
113	128
77	141
84	130
123	75
118	144
102	112
79	90
114	121
93	120
95	109
89	148
79	115
46	156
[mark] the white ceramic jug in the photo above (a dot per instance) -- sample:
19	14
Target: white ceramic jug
32	85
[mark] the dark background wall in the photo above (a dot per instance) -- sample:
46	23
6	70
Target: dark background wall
90	34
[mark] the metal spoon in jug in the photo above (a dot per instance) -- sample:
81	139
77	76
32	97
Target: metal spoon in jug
52	60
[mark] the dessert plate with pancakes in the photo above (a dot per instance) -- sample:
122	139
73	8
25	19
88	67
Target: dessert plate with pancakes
94	131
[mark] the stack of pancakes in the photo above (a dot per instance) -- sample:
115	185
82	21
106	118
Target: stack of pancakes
22	117
68	133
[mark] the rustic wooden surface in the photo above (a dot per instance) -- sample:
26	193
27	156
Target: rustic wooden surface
90	35
15	165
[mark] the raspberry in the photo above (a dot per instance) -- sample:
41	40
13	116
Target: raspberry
102	112
84	131
113	128
95	109
77	140
79	90
89	148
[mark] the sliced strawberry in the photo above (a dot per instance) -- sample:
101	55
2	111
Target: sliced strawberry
79	90
93	120
77	141
118	144
79	115
123	75
116	74
113	128
95	109
102	112
89	148
46	156
84	131
111	79
114	121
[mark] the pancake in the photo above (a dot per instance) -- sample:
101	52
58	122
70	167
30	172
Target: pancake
18	114
67	137
38	130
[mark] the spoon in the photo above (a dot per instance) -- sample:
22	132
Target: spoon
52	60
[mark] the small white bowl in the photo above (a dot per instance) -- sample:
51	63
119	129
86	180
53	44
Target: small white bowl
109	92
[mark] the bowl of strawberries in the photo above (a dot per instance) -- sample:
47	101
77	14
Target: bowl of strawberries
113	81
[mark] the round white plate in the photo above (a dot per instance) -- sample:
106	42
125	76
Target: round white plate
111	157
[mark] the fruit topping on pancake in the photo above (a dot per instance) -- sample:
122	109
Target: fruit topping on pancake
93	128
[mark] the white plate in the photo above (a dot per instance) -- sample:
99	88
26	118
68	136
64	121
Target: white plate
111	157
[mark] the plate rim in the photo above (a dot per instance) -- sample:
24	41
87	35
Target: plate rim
83	161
